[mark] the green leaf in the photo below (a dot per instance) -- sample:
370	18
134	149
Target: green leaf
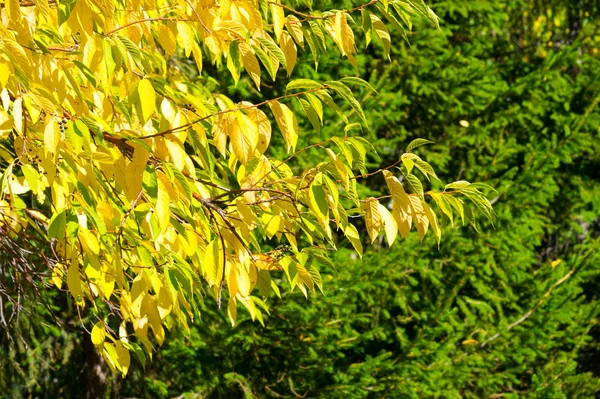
234	61
345	92
417	143
443	204
87	72
324	96
427	12
303	84
416	184
352	126
367	26
425	168
318	200
382	33
358	81
132	48
312	44
392	20
458	185
267	61
354	238
272	48
457	204
312	115
58	225
403	14
316	104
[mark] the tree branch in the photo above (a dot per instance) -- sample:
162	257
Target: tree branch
530	311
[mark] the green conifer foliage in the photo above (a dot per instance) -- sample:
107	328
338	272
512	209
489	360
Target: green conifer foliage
509	91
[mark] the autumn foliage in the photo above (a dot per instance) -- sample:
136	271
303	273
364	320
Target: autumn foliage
152	187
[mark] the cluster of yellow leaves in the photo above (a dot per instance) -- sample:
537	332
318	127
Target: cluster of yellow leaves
151	188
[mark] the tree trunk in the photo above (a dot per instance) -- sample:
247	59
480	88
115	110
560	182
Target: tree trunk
96	370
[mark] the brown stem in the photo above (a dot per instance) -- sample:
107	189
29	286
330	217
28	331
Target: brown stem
145	20
198	17
310	16
226	111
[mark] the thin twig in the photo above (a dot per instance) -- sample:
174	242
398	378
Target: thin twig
530	311
145	20
310	16
226	111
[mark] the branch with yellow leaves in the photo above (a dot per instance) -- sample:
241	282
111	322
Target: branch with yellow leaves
311	16
145	20
226	111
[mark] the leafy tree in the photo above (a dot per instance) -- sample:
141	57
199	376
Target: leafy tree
509	93
145	185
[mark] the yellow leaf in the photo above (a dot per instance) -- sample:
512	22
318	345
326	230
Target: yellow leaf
403	218
18	115
209	262
177	153
84	17
373	218
134	172
147	99
98	333
249	304
5	73
289	51
163	202
389	223
16	53
244	137
304	279
266	262
57	274
220	128
352	235
294	27
244	284
108	283
42	8
155	321
382	32
245	211
400	205
123	357
187	35
318	200
232	310
89	241
74	280
110	354
278	17
344	36
433	222
197	57
164	302
273	225
264	129
250	63
13	10
418	215
167	38
286	120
